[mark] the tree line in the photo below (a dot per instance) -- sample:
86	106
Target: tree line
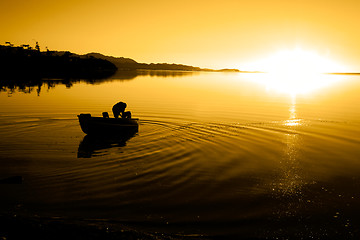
26	61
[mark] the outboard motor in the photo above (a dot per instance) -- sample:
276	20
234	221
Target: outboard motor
105	115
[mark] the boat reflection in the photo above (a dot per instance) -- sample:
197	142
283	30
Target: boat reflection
95	145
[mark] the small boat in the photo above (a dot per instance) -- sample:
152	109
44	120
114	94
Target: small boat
107	126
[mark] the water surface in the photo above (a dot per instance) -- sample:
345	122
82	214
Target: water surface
216	154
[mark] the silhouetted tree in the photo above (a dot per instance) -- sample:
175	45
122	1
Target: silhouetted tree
24	61
37	47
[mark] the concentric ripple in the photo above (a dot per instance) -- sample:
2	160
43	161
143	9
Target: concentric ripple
177	171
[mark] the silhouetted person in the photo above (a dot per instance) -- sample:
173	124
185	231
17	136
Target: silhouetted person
119	110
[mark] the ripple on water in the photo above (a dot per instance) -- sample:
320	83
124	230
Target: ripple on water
180	170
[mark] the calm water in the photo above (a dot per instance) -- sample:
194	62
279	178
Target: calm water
216	154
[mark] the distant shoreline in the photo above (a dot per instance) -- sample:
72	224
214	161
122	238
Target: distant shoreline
344	73
126	64
25	61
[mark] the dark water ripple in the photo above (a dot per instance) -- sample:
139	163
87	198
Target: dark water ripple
187	172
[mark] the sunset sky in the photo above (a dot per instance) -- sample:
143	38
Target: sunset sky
204	33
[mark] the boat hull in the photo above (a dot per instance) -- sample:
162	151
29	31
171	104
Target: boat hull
107	126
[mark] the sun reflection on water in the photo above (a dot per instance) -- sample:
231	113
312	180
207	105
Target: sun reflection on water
291	181
295	84
288	185
293	120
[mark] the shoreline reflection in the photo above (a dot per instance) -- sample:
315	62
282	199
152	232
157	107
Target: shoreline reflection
29	85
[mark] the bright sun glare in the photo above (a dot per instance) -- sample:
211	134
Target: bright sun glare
301	62
298	71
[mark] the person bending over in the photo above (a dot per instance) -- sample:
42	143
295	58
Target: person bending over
119	109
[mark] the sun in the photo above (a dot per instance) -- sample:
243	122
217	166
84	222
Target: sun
297	71
299	61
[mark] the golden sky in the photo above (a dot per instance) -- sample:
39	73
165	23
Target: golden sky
204	33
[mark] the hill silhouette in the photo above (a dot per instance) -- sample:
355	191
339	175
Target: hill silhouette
24	61
129	64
